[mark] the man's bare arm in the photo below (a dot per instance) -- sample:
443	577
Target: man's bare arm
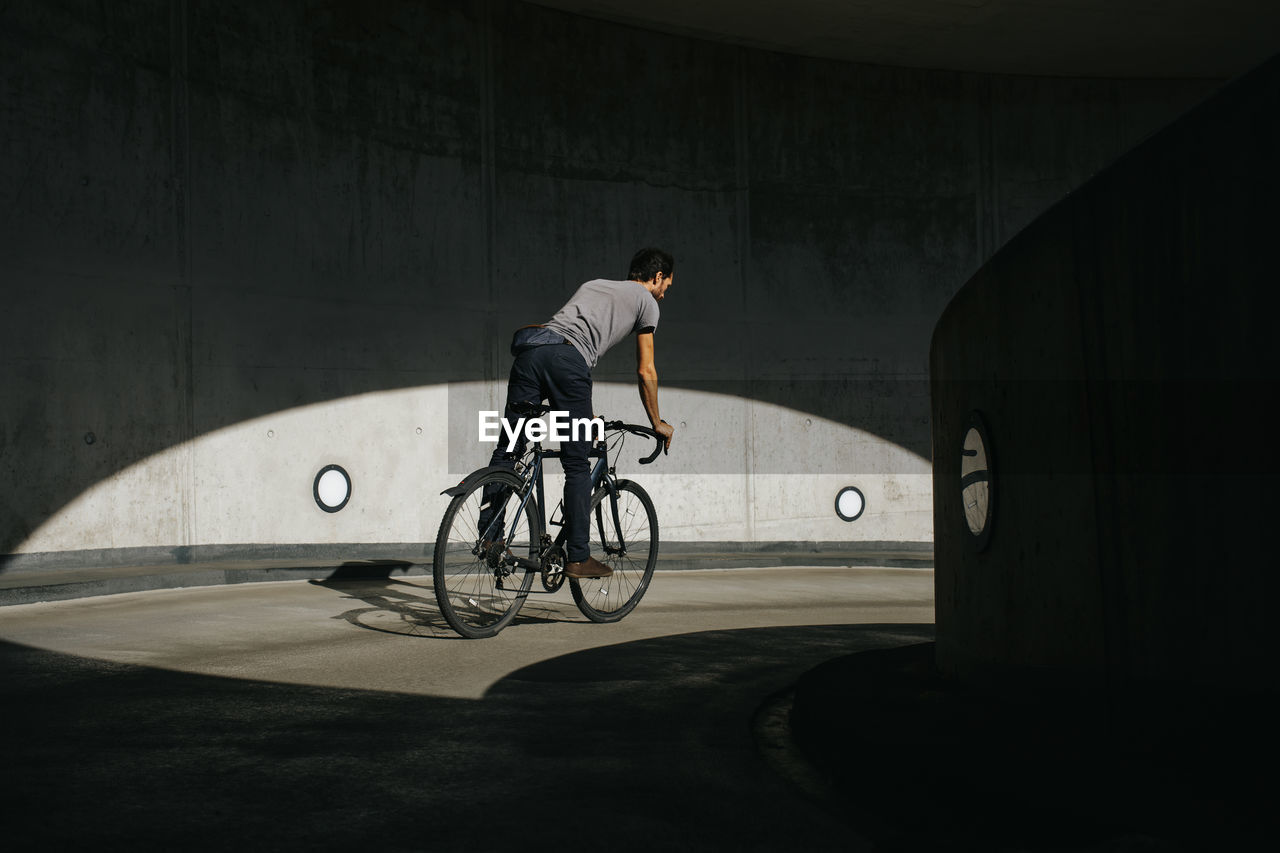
647	375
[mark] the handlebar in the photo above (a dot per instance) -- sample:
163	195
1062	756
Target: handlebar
637	429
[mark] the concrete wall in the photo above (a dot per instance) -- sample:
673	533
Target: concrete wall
240	241
1121	351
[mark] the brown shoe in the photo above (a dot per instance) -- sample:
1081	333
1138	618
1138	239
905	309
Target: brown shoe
588	568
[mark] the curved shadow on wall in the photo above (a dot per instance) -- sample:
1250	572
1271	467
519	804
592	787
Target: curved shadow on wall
894	410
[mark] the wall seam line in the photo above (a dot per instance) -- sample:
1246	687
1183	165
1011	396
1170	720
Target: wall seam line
488	118
743	213
180	145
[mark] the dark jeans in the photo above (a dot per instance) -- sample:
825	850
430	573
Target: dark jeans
558	374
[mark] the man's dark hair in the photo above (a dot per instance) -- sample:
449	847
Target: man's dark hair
647	263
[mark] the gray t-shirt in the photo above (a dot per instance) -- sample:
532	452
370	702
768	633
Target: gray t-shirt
602	313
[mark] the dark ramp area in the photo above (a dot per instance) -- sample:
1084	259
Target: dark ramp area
645	745
1028	765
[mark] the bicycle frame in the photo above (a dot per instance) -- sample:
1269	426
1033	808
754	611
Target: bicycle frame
601	472
532	480
470	588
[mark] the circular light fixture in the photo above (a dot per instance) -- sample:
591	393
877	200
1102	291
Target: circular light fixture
850	503
332	488
977	481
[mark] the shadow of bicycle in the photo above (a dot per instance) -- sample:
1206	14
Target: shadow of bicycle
407	606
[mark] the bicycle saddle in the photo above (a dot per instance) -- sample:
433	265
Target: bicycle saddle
529	409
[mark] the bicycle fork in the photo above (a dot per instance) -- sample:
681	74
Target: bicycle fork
620	550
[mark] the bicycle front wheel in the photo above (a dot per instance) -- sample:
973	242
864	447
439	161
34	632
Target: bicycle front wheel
627	543
479	592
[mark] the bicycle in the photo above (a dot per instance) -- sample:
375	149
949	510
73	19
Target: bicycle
482	572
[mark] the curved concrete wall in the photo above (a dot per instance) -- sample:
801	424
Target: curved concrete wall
1121	352
241	241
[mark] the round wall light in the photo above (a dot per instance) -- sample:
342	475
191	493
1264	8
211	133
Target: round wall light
332	488
850	503
977	481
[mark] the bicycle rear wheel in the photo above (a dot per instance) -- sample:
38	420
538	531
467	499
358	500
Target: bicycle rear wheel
477	591
628	544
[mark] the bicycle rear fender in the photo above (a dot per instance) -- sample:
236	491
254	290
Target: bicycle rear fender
454	491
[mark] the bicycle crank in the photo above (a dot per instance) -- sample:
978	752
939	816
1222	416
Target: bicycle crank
552	567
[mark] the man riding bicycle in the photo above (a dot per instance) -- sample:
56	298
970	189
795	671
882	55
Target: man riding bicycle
553	361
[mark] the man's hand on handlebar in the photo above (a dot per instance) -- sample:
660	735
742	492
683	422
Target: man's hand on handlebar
661	435
665	430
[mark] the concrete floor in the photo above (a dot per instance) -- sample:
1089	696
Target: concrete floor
346	714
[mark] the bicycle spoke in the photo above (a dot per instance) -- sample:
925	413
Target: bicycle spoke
609	599
478	591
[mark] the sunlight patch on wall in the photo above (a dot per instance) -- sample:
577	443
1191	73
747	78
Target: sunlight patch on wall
739	470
